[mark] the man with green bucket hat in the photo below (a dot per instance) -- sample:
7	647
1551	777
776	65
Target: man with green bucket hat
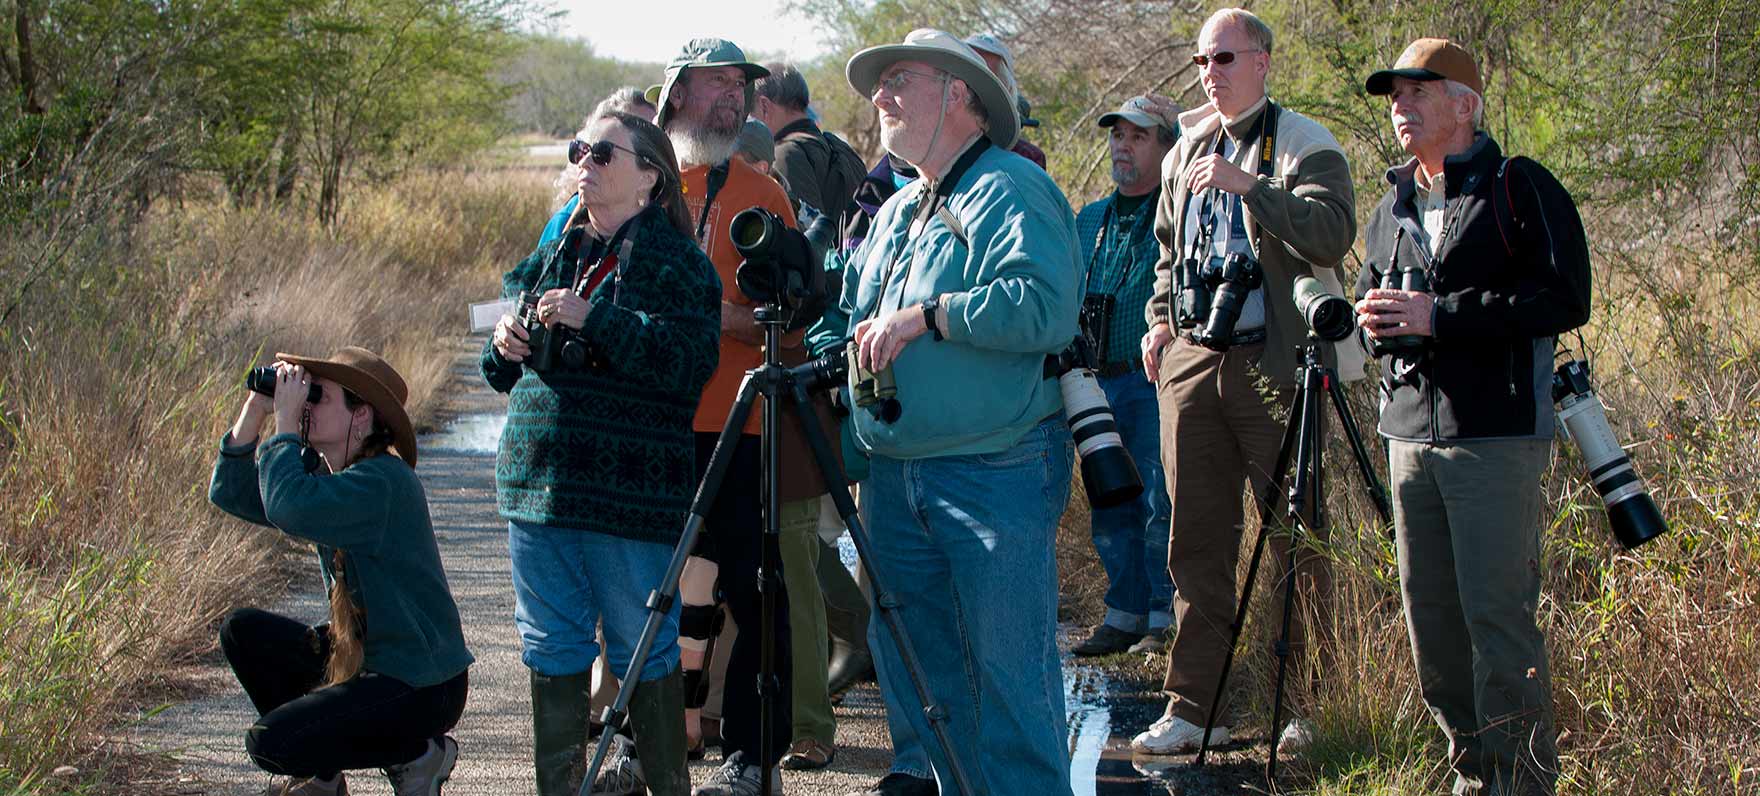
703	104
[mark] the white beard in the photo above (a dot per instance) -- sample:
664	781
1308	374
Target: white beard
696	146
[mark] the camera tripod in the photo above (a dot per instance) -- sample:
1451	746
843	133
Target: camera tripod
777	384
1304	437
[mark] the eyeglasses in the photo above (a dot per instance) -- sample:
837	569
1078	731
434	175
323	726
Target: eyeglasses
902	78
1220	57
600	151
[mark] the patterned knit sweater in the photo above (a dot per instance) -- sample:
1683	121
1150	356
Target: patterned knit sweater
609	447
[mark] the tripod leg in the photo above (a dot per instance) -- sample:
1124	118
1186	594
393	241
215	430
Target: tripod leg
883	598
1267	518
1377	493
1305	496
659	601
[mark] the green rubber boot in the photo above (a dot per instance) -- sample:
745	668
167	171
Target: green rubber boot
656	715
561	708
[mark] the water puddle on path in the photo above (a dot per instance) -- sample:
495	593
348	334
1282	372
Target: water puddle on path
1103	715
478	433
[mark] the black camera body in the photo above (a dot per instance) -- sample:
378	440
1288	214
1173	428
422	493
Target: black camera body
552	347
1414	278
1096	322
1212	293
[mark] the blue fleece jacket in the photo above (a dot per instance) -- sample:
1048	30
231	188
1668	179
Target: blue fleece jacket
1010	282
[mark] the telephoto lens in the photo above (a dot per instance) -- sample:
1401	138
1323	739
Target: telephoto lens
1237	278
1108	473
262	380
1630	510
1329	315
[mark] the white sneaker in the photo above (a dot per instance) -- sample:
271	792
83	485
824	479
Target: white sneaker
1170	735
1297	736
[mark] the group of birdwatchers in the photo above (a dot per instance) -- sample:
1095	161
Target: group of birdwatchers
961	267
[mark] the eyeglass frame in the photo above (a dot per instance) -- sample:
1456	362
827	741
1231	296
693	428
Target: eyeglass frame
894	84
1202	60
579	150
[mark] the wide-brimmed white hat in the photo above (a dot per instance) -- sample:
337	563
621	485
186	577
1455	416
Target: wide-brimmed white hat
943	51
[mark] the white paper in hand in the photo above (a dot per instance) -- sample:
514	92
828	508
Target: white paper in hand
484	314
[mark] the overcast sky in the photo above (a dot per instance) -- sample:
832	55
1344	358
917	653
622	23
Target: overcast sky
655	30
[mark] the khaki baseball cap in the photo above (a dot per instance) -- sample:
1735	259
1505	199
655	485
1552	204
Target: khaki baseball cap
1144	111
1429	59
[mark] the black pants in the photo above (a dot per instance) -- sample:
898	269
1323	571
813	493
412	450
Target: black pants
732	539
370	721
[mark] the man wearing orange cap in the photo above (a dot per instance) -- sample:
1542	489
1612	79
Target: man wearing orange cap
1475	264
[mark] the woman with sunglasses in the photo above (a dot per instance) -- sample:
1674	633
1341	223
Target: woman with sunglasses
596	468
349	694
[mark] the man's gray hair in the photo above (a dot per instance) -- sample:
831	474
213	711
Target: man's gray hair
1458	89
1247	21
785	86
974	104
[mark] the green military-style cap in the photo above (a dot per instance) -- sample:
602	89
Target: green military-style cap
700	54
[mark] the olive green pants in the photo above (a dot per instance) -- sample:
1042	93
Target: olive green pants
1467	527
806	621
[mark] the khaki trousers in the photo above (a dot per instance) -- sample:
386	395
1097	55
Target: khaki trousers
1467	527
1218	435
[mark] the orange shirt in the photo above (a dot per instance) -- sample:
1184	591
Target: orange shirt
745	187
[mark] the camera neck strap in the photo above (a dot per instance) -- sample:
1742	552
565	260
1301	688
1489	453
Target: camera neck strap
1263	133
1100	236
931	204
716	181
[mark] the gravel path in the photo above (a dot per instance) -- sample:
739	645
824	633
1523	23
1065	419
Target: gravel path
205	735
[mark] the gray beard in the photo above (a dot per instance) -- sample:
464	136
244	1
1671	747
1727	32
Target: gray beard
1124	174
700	146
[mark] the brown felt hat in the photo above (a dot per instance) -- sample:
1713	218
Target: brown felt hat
369	376
1429	59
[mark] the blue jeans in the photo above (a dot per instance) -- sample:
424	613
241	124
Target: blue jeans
967	546
566	581
1131	539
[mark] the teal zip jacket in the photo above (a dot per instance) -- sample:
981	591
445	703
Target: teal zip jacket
1006	270
376	512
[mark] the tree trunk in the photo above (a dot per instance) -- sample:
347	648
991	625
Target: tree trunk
27	62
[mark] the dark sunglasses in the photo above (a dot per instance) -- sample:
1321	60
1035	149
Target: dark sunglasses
600	152
1220	58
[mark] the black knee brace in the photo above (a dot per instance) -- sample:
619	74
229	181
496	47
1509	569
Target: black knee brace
703	623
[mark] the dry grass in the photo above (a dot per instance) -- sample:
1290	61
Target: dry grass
116	385
1655	653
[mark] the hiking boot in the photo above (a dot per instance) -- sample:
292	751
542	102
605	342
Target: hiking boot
849	664
1105	640
736	777
898	783
311	786
1152	642
807	754
424	775
1171	735
621	774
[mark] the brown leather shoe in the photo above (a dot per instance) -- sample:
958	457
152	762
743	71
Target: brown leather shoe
808	754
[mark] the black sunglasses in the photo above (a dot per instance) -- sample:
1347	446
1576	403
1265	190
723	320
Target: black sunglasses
600	152
1220	58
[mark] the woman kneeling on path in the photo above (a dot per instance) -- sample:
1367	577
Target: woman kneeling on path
383	681
597	461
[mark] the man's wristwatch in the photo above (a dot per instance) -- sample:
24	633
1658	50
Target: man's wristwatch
931	308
